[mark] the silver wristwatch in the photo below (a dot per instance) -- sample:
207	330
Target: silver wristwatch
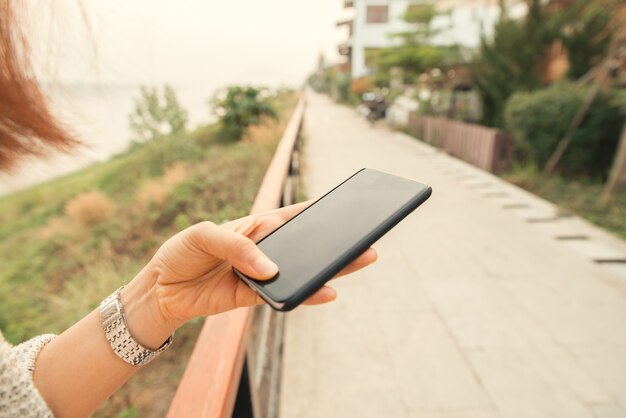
116	331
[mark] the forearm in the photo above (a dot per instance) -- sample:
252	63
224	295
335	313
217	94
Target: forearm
78	370
192	275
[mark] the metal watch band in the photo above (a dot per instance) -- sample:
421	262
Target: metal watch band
116	331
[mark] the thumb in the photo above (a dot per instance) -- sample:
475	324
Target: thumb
238	250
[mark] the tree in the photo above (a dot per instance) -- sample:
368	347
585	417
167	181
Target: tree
240	107
415	54
586	34
157	114
511	60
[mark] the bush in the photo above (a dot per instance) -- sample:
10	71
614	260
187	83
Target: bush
90	208
165	151
156	191
240	107
538	121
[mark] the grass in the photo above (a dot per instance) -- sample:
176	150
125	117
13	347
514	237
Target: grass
575	196
67	243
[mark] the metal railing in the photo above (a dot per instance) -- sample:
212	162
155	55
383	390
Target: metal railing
236	363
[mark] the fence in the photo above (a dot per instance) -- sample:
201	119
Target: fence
234	370
487	148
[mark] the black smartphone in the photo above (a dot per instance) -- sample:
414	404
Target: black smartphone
312	247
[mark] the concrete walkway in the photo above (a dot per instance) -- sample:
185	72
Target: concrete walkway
474	309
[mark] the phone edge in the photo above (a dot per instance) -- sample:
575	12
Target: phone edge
327	274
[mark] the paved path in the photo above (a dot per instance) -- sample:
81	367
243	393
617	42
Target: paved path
471	310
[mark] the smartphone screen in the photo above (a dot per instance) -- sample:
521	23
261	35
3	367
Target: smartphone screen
317	243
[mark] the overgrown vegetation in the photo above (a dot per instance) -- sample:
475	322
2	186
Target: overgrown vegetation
65	244
539	119
241	107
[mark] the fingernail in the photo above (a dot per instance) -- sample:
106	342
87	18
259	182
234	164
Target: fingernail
265	267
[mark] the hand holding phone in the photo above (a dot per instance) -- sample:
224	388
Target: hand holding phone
316	244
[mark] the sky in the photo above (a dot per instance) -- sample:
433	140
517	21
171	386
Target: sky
193	42
185	41
198	46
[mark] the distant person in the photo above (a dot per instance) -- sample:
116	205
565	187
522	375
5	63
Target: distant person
190	275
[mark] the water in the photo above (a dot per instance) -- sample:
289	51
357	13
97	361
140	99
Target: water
99	115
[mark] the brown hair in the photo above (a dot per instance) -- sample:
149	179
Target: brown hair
26	125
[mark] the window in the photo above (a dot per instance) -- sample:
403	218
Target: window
377	14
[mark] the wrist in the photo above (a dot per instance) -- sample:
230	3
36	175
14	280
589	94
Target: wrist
144	318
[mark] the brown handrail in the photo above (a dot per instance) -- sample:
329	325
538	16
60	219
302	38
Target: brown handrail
209	385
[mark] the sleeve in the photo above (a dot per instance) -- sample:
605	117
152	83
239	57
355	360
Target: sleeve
18	395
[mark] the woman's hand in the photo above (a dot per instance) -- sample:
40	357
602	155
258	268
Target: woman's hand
191	274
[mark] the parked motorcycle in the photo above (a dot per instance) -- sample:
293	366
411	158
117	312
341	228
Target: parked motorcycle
374	107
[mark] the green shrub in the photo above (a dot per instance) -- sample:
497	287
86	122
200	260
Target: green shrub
538	121
150	159
240	107
165	151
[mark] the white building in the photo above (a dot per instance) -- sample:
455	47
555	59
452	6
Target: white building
375	20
